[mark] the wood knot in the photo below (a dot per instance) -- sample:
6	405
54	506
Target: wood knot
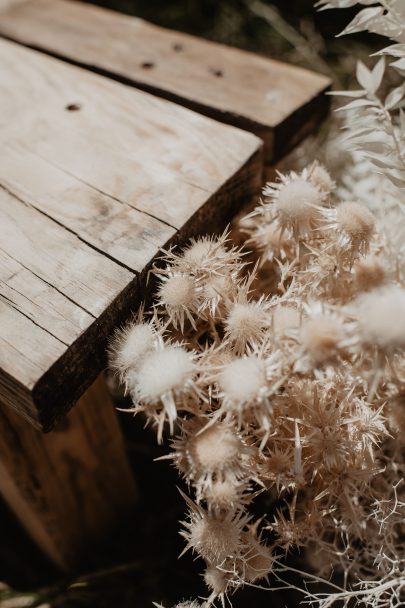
73	107
216	72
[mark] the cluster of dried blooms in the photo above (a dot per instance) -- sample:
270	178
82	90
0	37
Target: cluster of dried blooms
281	372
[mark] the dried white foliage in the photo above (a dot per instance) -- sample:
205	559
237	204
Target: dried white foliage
376	121
286	378
289	384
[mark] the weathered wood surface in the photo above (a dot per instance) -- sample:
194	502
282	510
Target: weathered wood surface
95	177
72	487
281	103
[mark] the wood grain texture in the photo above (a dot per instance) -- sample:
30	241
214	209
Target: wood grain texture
279	102
88	196
70	488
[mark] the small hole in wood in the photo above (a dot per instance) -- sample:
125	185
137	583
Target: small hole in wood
73	107
177	46
216	72
147	65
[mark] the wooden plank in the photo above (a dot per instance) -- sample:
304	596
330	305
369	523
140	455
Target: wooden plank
83	275
71	488
80	283
281	103
104	222
87	198
40	301
133	147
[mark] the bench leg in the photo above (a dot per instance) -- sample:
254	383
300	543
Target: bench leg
70	488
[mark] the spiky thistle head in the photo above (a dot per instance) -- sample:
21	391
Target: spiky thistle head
278	466
165	378
214	537
228	493
209	454
354	226
243	382
178	294
321	337
246	386
206	255
381	315
297	203
129	346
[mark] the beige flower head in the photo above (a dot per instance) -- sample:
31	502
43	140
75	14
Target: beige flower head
215	538
381	317
178	294
212	453
297	203
129	346
164	377
246	324
356	225
321	337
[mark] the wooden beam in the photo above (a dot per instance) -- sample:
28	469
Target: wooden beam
88	196
278	102
71	488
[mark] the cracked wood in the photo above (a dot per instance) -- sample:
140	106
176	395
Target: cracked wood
95	177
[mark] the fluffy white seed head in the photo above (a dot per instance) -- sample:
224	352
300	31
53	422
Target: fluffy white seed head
381	317
199	252
217	461
320	337
178	291
130	346
355	221
243	380
164	370
178	294
208	254
213	450
215	290
245	324
297	205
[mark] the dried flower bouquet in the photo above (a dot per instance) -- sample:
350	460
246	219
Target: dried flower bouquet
275	359
277	366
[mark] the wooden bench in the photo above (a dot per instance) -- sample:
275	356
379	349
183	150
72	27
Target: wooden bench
95	177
